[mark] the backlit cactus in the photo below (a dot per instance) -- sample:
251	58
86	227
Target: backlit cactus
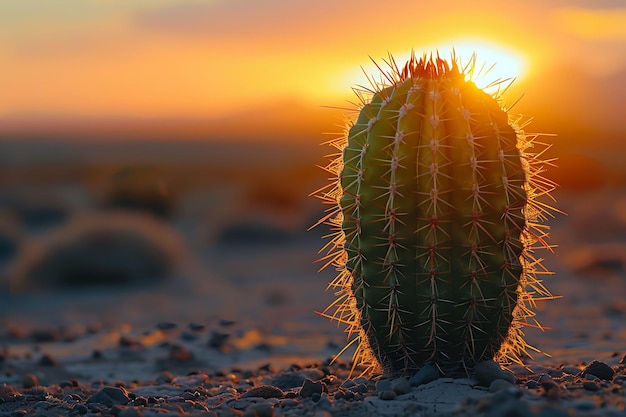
436	209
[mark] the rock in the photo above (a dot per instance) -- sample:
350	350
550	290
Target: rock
383	385
310	387
165	377
387	395
400	386
7	392
259	410
295	379
29	381
217	339
500	385
166	325
179	353
600	370
110	396
591	386
426	374
130	412
348	383
489	371
571	370
264	391
551	389
47	360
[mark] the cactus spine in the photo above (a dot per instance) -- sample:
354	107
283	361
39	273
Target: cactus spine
436	210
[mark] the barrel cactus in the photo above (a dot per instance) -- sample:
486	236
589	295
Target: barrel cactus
437	207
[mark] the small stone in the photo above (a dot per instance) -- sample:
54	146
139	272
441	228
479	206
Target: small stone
7	392
489	371
348	383
310	387
166	325
400	386
550	388
324	402
264	391
79	409
130	412
426	374
140	401
29	381
196	327
217	339
47	360
110	396
599	369
383	385
387	395
179	353
532	384
591	386
259	410
500	385
571	370
165	377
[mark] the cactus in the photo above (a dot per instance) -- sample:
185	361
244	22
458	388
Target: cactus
436	209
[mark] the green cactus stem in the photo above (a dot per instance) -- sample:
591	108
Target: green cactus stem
436	210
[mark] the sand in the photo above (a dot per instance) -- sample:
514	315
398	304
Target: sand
238	313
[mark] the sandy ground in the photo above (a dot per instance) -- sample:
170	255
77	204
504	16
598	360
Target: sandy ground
250	300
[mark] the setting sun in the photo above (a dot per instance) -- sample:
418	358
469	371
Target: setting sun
493	63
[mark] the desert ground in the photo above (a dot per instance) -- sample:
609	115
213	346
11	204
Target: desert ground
211	291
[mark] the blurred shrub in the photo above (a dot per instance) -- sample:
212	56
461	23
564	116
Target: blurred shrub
41	217
8	247
253	233
10	232
141	188
99	249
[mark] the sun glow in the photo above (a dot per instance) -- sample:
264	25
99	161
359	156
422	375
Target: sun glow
495	65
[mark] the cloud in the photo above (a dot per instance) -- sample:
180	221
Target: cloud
236	18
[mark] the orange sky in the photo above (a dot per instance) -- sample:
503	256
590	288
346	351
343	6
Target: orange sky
63	61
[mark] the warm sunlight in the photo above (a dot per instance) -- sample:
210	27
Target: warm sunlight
494	62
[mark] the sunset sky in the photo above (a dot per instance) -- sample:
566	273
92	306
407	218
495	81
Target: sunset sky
67	61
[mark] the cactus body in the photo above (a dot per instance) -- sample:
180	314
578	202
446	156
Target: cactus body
436	210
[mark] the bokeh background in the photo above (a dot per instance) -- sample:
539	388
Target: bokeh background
156	156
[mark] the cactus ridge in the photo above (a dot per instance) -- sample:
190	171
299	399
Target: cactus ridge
437	203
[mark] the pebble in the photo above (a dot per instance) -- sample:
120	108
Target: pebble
400	386
321	390
500	385
30	381
310	387
489	371
571	370
264	391
109	396
47	360
591	386
600	370
130	412
259	410
426	374
383	385
387	395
